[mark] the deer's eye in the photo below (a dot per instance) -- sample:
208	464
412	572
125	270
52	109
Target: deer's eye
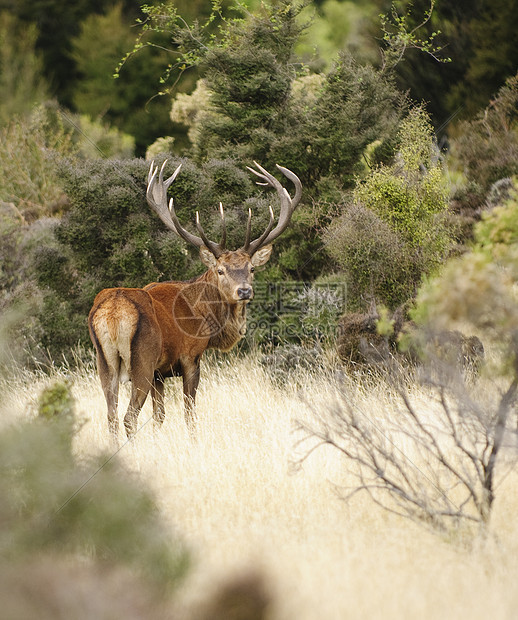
221	272
252	269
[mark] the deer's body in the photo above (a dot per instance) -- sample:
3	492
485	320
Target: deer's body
162	330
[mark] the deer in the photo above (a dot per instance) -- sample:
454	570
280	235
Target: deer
146	335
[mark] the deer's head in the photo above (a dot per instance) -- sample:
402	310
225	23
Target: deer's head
232	270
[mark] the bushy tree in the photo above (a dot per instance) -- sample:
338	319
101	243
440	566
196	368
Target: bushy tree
256	100
487	147
249	74
21	81
356	107
127	102
394	229
477	289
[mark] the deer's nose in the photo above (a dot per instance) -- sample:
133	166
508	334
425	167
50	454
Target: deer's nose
245	292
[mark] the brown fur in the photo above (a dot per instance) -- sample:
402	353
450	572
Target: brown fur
146	335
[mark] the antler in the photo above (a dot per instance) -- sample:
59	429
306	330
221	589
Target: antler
288	205
156	195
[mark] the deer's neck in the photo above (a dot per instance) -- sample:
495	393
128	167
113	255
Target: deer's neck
226	320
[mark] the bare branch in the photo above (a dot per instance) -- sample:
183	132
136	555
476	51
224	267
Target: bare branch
438	472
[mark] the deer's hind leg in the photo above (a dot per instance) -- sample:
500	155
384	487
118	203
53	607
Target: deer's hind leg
140	386
109	377
145	348
157	394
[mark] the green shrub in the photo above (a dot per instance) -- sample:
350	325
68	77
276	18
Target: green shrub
477	290
395	229
290	312
110	231
28	172
357	106
376	261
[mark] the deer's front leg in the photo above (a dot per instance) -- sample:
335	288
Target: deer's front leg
191	378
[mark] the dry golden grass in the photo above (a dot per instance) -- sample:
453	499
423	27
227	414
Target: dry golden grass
241	507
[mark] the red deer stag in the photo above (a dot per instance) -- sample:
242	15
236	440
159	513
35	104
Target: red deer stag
162	330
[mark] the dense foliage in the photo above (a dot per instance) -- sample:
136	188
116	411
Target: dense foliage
476	36
376	212
488	144
394	230
478	288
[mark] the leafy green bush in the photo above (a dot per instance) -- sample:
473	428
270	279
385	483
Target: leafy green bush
28	173
357	106
478	288
289	312
395	229
110	231
411	193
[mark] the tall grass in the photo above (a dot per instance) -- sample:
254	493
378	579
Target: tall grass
241	507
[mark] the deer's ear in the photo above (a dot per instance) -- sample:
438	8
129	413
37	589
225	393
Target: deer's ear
262	255
207	257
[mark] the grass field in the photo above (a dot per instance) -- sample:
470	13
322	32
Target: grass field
242	508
